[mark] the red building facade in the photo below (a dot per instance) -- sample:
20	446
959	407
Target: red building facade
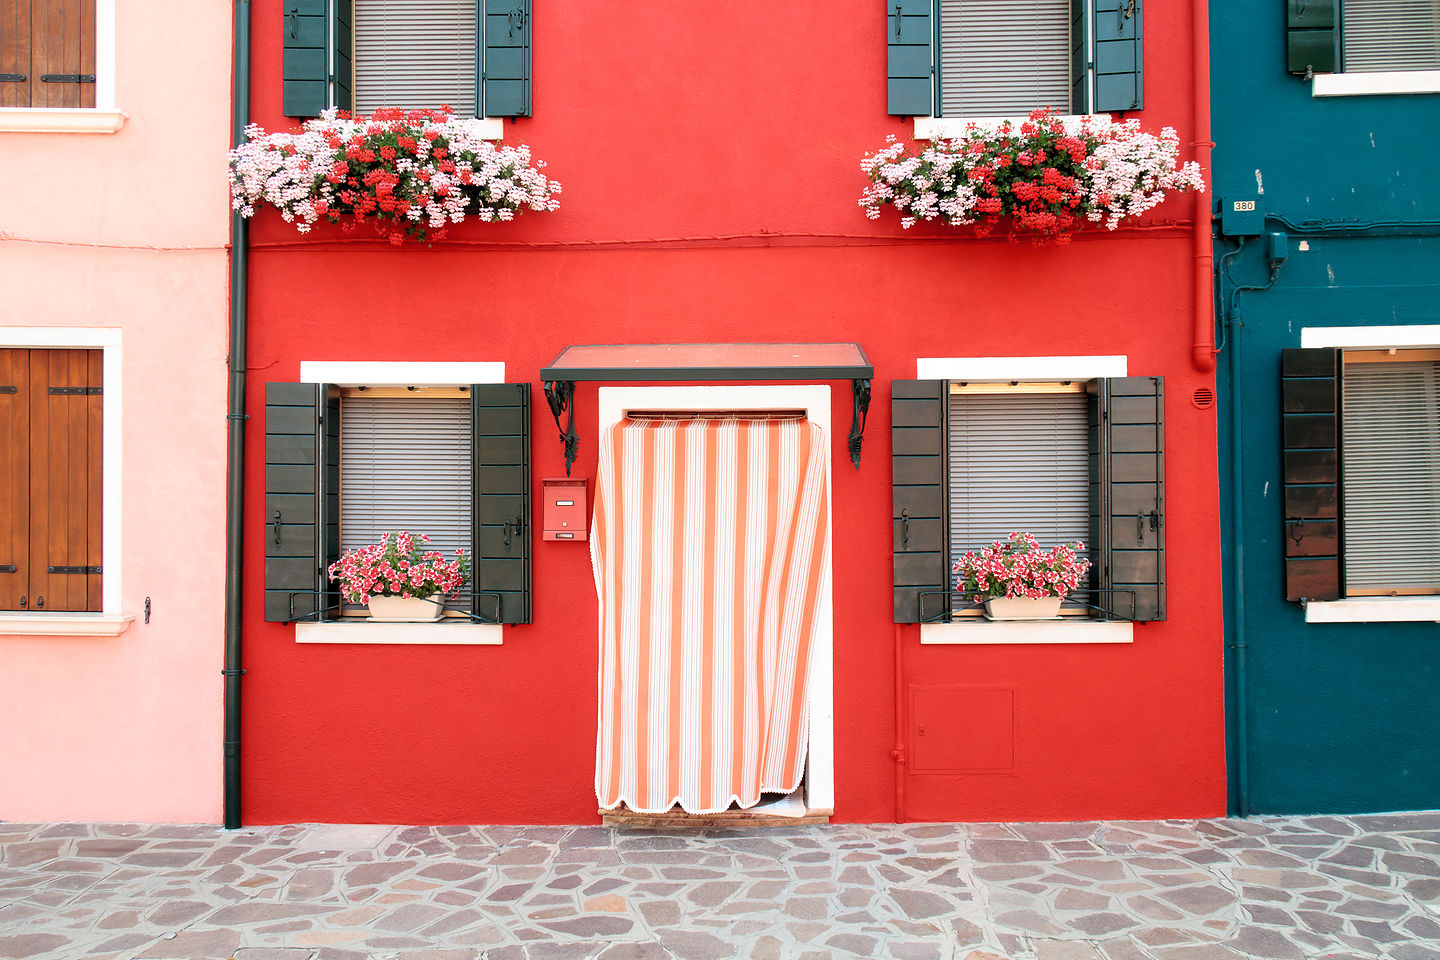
711	173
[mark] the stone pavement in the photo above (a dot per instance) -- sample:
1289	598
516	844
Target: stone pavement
1333	887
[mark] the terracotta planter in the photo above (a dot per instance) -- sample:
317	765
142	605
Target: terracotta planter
406	609
1022	608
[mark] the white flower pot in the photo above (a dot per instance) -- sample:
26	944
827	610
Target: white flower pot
1022	608
406	609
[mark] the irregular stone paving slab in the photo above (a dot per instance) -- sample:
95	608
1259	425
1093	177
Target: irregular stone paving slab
1260	889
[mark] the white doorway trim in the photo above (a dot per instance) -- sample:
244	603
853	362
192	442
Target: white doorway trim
615	402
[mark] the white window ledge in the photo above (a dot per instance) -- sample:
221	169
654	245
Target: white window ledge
1373	610
951	128
1028	631
462	633
62	625
59	120
1375	84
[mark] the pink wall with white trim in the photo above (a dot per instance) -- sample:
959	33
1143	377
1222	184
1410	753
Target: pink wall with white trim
128	231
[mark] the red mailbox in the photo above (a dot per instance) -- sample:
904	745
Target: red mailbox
565	515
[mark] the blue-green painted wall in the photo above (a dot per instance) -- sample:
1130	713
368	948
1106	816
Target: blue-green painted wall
1337	717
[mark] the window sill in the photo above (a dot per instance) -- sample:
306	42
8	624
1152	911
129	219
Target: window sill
950	128
1373	610
59	120
461	633
1027	631
62	625
1375	84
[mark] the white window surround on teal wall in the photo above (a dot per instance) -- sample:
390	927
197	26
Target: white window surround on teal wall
1391	82
110	621
977	631
354	373
104	117
1373	609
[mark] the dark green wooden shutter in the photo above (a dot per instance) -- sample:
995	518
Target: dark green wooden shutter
1312	42
302	499
1079	57
341	43
1310	422
911	72
501	570
505	77
306	32
917	432
1129	479
1118	29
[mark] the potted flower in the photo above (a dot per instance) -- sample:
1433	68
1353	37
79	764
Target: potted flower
1048	176
1016	580
398	578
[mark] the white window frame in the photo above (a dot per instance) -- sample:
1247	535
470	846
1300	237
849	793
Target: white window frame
1370	84
355	373
976	630
615	402
1372	609
110	621
104	117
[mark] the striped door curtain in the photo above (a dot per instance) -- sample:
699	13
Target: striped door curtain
709	540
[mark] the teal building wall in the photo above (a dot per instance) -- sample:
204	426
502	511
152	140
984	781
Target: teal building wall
1321	717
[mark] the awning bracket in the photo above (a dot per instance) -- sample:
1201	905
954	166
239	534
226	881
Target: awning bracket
561	396
859	414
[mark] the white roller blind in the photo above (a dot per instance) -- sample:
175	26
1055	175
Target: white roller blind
1004	57
1390	35
1018	462
405	465
415	54
1391	476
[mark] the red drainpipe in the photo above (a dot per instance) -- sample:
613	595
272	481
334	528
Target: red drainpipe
1203	345
897	753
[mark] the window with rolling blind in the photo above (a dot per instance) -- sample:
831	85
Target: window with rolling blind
1390	474
1382	35
1018	462
1005	58
416	55
405	465
51	447
47	53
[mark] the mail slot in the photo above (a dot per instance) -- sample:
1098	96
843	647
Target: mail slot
565	509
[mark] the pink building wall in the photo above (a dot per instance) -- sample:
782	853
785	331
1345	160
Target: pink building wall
119	239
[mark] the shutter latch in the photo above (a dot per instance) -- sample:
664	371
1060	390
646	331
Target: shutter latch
12	78
67	78
517	525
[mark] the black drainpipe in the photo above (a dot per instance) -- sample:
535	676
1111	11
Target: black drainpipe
235	423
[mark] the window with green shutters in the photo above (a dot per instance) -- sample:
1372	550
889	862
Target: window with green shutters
1362	36
1361	472
1005	58
1081	460
344	466
362	55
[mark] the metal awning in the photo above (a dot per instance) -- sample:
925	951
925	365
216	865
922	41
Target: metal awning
614	362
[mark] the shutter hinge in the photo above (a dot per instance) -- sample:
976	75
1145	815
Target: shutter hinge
8	568
67	78
9	388
72	570
77	391
12	78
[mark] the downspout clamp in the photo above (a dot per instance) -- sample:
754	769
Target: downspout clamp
235	429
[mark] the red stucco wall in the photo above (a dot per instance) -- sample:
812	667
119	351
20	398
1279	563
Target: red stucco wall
711	174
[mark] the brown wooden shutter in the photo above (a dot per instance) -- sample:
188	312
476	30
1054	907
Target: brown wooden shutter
917	432
47	53
14	477
1310	386
1128	495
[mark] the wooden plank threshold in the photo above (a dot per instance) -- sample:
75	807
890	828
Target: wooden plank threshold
732	818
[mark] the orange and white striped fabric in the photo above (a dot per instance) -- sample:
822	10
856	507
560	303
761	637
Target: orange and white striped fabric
708	543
